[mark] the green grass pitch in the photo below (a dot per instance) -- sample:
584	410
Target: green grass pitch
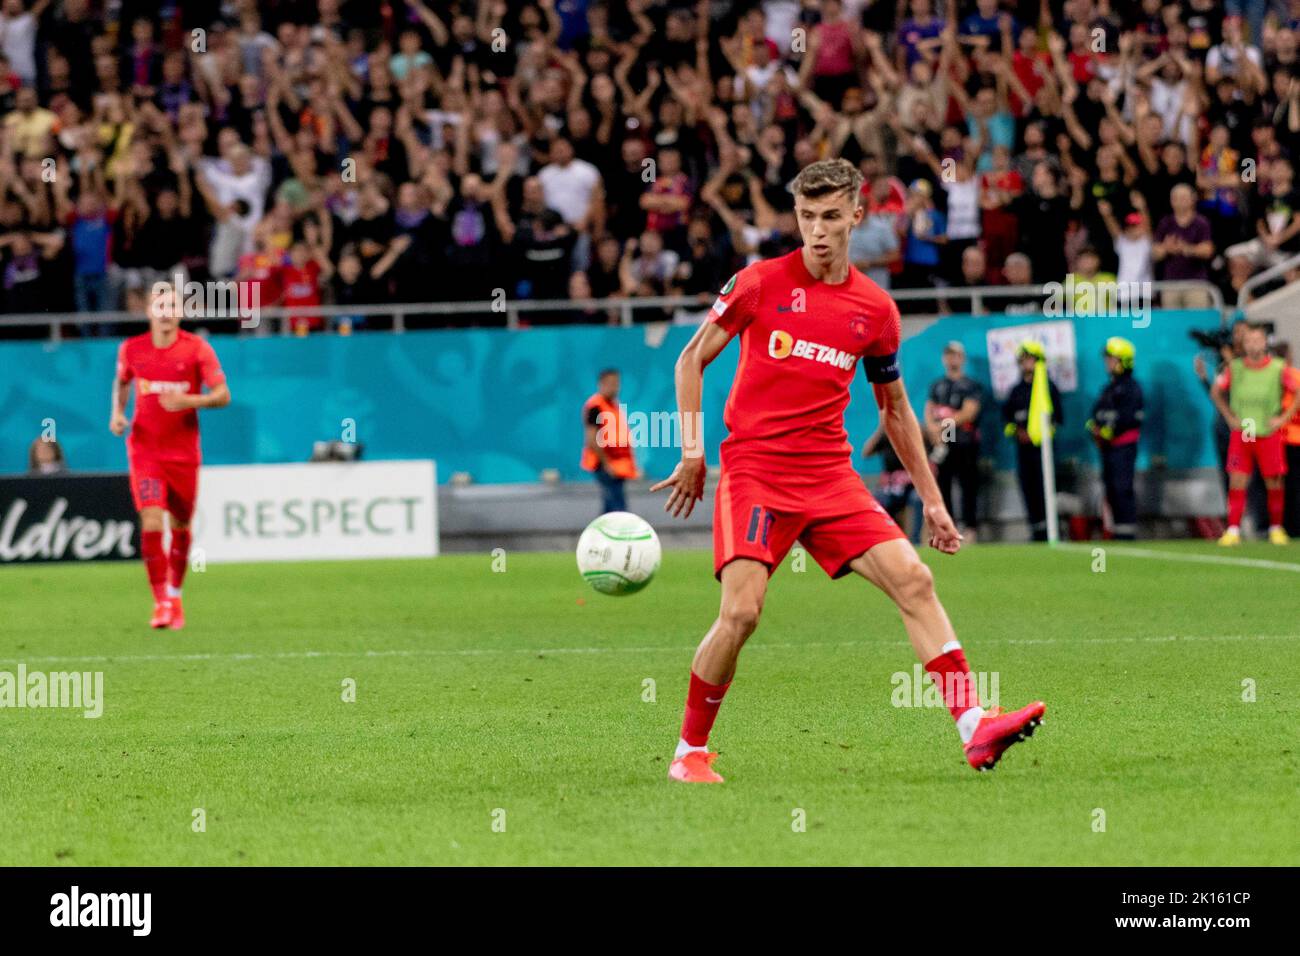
502	718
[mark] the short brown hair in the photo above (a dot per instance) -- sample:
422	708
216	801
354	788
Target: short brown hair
827	176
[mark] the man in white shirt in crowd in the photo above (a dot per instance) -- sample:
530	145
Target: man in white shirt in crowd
238	174
574	189
18	36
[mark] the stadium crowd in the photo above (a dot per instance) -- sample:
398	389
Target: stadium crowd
353	152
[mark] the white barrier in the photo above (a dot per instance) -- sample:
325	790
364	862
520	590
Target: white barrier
317	511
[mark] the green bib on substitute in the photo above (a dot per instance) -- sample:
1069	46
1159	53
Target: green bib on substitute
1255	394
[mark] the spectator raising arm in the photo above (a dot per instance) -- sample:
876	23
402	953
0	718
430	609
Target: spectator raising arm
507	156
396	246
437	29
712	194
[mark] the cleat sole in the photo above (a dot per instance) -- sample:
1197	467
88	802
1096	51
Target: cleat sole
1024	733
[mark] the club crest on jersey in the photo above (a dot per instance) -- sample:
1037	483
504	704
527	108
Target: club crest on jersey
858	327
783	345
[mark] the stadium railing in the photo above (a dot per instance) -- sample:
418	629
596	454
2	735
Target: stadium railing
1272	273
513	313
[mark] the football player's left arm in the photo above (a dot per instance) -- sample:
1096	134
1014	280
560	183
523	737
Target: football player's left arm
1289	412
215	397
904	433
218	393
218	396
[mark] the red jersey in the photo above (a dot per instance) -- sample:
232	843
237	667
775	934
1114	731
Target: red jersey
263	271
800	343
186	365
1032	72
1008	181
1084	65
678	185
302	287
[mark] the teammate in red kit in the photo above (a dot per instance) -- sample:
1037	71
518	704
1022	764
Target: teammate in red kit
167	369
805	322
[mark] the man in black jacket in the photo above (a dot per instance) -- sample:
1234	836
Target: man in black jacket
952	410
1029	461
1115	425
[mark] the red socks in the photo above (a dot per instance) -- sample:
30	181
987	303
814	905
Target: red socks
155	562
1236	506
949	671
702	703
951	674
179	558
165	568
1276	505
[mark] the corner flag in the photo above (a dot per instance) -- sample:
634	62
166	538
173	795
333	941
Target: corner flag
1040	403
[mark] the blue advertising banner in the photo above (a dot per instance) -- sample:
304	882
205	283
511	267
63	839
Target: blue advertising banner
504	406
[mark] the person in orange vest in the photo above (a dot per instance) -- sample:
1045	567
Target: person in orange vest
607	450
1291	439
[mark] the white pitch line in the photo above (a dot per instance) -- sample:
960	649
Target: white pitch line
1113	549
542	652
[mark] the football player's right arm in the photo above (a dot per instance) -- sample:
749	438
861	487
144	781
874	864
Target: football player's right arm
121	391
1220	400
687	479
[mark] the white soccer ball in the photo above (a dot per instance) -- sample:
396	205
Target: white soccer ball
618	553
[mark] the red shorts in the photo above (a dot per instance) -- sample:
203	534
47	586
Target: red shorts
760	515
171	485
1267	452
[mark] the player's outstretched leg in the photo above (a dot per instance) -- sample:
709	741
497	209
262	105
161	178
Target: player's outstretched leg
895	568
178	559
155	564
744	585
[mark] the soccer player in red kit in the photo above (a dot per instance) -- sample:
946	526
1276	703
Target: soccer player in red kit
167	369
806	321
